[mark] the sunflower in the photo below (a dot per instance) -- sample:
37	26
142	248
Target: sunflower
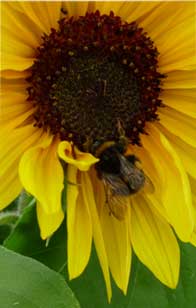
75	78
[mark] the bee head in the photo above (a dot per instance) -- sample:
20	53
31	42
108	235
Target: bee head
109	161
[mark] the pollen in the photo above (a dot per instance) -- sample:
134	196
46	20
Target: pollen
92	73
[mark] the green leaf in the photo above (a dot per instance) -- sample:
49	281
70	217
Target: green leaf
4	232
26	283
144	290
7	218
10	215
24	199
7	222
25	239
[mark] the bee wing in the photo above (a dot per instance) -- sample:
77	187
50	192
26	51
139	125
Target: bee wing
118	205
131	174
136	179
116	185
117	195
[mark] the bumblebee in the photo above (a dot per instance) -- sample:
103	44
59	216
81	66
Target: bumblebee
120	174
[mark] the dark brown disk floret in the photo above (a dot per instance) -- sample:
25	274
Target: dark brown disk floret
91	73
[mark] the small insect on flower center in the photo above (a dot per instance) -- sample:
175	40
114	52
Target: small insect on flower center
92	73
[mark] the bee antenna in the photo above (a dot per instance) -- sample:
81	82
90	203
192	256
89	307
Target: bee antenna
120	128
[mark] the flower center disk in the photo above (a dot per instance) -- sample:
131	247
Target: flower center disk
92	73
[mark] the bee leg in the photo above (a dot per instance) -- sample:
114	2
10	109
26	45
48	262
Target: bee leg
107	201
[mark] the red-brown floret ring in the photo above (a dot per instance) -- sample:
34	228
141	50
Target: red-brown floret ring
91	73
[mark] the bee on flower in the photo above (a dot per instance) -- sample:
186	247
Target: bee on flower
99	100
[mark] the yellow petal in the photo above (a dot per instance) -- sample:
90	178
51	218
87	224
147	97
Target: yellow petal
43	15
118	247
193	189
152	195
14	85
132	11
175	189
15	62
42	175
98	189
79	225
20	120
17	51
13	105
91	6
97	232
154	243
15	110
22	25
192	66
172	29
165	16
14	143
193	236
123	254
105	7
186	152
17	27
129	11
11	74
7	99
179	124
181	100
13	93
156	204
180	80
151	171
48	223
177	46
73	9
83	161
10	186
